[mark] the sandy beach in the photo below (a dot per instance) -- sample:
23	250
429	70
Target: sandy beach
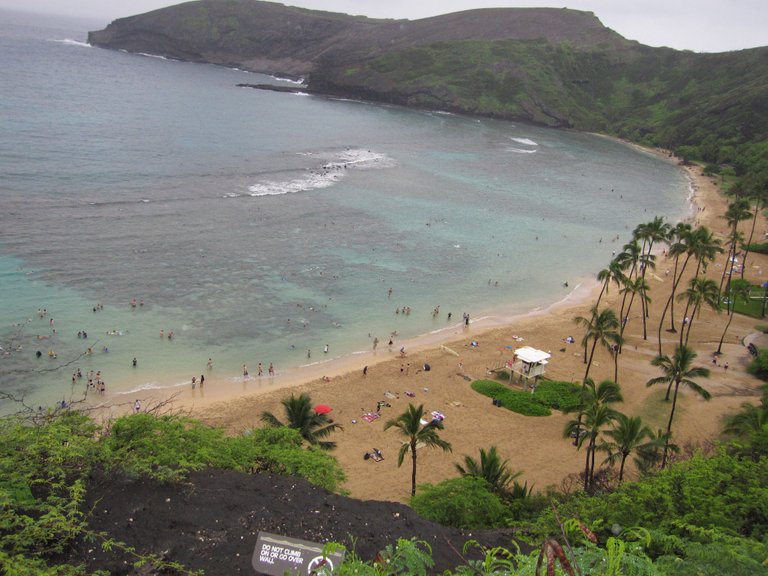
533	445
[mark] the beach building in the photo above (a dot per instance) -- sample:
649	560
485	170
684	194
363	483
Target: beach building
528	364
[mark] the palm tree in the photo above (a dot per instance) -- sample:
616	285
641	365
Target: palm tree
601	329
300	415
757	191
611	273
491	469
654	231
736	289
678	370
737	211
751	424
679	242
596	414
648	455
627	260
634	287
628	434
409	425
700	291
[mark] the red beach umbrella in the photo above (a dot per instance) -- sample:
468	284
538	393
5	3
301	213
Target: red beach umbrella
323	409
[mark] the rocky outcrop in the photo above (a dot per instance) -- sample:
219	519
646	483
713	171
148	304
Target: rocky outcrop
276	39
550	66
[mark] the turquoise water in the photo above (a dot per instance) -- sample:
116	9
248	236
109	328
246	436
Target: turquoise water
258	225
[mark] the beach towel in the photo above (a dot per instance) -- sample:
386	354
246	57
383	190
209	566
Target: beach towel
410	394
390	395
370	416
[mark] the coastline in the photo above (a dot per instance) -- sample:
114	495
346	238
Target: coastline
533	445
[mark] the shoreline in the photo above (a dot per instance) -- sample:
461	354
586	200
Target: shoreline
224	389
231	387
534	446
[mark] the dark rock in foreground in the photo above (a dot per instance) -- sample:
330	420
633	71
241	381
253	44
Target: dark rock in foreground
211	522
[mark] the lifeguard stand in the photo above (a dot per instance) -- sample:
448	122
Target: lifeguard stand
528	364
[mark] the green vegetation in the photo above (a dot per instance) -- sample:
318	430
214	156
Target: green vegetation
409	425
703	107
44	466
300	415
759	365
548	394
465	502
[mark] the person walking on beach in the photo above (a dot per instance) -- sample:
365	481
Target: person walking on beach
271	369
245	370
209	365
375	343
325	350
194	382
260	369
137	407
202	380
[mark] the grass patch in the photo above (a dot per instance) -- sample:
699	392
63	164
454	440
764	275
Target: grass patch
557	395
549	394
752	307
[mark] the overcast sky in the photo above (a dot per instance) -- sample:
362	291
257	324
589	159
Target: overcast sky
699	25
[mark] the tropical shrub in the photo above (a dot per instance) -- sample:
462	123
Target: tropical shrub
548	394
721	491
465	502
515	400
759	365
167	447
558	395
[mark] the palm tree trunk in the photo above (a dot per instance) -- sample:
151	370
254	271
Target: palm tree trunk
728	268
602	291
670	301
616	364
591	356
586	467
413	471
624	324
751	235
669	426
675	283
728	325
696	309
621	468
683	329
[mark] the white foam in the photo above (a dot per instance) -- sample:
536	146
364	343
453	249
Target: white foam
521	151
525	141
333	170
288	80
71	42
153	56
149	386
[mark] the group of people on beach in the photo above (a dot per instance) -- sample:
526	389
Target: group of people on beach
259	370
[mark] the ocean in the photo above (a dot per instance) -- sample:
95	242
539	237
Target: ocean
140	195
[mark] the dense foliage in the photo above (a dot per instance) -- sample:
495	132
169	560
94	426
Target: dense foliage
547	394
44	466
464	502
